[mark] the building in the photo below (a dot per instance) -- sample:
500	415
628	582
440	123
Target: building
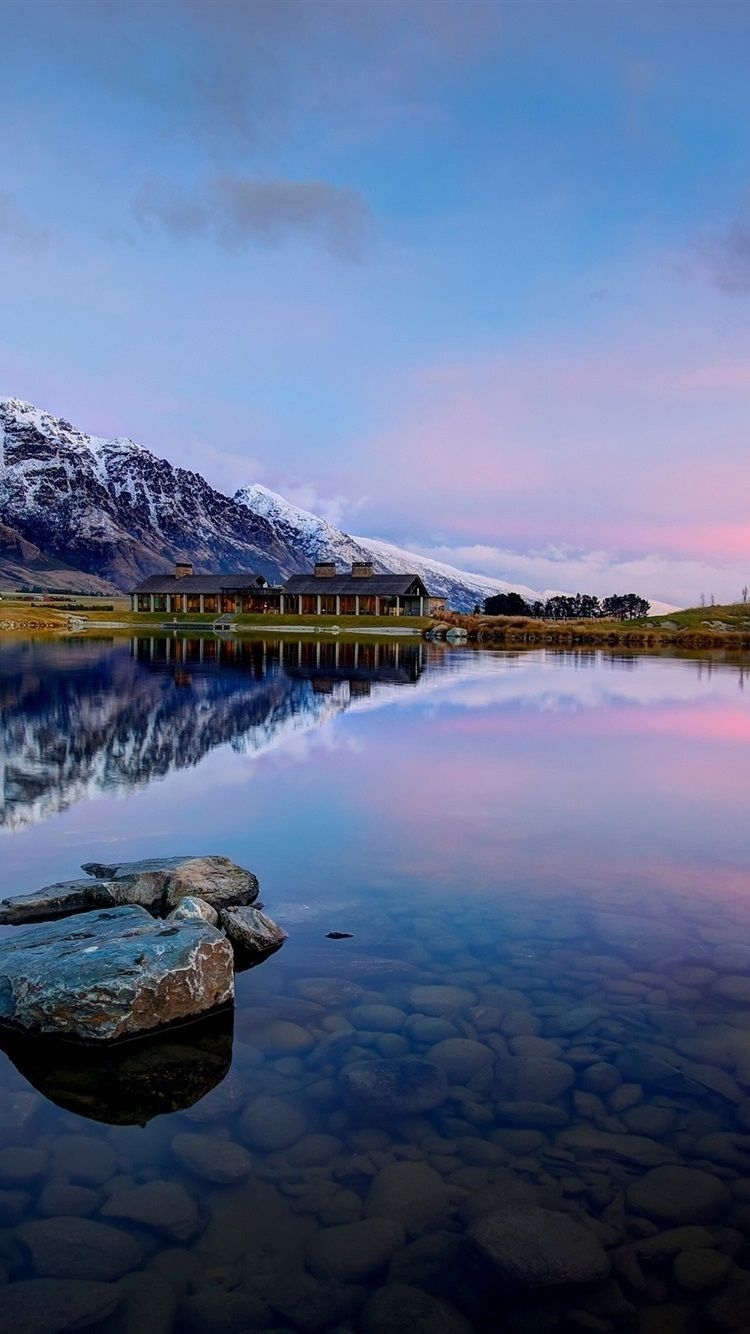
184	591
324	592
358	593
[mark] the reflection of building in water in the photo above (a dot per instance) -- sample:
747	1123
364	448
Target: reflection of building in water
334	660
80	717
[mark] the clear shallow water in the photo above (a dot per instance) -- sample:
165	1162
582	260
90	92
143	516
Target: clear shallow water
557	842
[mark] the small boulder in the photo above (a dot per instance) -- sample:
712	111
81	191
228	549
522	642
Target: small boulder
193	909
354	1252
251	929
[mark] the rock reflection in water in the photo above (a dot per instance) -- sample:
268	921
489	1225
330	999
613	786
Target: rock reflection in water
128	1083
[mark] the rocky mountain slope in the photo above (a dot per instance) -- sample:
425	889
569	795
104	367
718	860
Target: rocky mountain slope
319	540
115	512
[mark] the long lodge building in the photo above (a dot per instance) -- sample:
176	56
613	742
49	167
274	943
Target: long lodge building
324	592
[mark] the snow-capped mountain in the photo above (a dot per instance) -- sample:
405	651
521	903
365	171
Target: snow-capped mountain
72	502
320	540
111	508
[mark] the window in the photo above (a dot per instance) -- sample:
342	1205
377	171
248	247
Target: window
178	602
348	605
328	604
193	601
160	602
291	603
144	601
228	602
309	604
210	602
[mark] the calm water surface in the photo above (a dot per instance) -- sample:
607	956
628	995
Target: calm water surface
543	861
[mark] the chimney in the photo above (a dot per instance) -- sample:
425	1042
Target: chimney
325	569
362	569
183	569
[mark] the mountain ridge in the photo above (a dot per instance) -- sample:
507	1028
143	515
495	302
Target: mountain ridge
112	511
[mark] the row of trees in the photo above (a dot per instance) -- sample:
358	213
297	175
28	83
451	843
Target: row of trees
581	607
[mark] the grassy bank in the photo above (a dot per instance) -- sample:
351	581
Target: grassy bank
694	628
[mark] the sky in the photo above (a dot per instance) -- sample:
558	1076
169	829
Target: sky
471	277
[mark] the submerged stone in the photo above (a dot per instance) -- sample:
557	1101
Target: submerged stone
80	1248
53	1305
399	1308
527	1246
111	974
679	1195
401	1087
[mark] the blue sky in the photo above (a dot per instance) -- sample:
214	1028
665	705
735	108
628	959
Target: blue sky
473	277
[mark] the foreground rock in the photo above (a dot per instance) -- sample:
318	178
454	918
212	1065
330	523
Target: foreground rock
530	1247
112	974
159	885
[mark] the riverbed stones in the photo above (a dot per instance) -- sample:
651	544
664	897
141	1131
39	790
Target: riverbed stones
402	1087
82	1248
251	929
410	1193
162	1206
219	1161
461	1058
440	1000
399	1308
55	1306
701	1270
112	974
354	1252
269	1123
531	1079
530	1247
675	1194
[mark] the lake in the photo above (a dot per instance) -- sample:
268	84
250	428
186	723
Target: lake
515	1096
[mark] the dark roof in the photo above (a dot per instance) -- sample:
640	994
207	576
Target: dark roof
379	585
200	583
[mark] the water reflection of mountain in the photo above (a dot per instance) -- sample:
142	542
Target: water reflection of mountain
80	717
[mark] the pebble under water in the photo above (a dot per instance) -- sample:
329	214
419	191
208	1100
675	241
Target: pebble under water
516	1097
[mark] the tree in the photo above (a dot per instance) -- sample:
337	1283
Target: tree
744	593
625	607
507	604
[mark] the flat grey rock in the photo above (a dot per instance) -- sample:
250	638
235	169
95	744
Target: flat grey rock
111	974
159	883
58	900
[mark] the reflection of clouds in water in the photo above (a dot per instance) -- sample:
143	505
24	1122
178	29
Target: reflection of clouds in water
491	680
